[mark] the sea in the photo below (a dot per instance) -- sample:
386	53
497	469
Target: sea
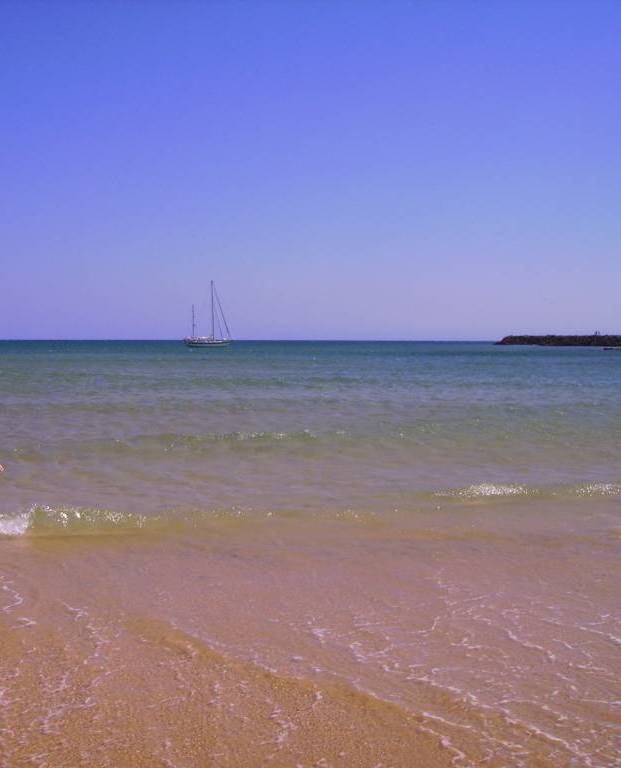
300	554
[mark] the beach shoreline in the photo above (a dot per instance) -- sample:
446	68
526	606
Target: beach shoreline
271	642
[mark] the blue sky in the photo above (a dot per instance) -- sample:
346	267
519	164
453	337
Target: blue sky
432	170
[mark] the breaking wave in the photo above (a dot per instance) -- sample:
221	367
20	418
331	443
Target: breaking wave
46	520
42	519
491	489
482	491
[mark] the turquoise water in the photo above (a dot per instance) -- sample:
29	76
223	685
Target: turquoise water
149	426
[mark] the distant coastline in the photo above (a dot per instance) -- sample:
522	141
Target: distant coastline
551	340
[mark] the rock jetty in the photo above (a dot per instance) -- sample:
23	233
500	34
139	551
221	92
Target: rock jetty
550	340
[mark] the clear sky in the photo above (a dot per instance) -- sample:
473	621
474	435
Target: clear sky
427	170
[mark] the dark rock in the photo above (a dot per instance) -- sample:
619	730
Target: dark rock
592	340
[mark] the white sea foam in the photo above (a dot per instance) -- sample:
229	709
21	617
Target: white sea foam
599	489
492	489
319	633
16	525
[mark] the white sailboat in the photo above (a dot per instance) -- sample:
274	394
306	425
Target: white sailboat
217	319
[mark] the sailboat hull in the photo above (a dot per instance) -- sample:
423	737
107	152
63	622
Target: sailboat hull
206	343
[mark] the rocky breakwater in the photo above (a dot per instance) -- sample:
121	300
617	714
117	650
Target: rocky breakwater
551	340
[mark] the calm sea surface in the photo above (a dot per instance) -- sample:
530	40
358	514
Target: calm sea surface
147	426
348	553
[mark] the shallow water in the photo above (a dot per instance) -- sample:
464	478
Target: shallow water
309	554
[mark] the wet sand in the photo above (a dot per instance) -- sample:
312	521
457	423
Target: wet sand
482	634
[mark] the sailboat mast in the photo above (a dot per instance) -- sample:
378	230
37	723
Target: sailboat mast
213	330
193	323
226	325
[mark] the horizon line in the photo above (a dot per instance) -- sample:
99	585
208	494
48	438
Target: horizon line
307	340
